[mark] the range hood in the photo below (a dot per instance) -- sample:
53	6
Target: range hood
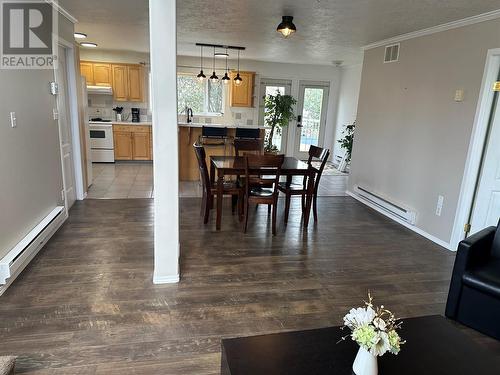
100	90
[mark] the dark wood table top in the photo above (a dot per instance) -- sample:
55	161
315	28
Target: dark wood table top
434	346
236	165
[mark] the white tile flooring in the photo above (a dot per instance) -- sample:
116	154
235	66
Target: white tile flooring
135	180
122	180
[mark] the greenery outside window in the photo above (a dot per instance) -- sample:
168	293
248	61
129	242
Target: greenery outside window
204	98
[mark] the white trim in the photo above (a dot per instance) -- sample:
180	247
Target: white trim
62	11
419	231
476	146
436	29
166	279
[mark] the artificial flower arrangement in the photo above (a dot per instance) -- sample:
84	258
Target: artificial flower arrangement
374	328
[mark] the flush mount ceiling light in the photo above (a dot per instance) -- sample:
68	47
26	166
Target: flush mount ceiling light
214	77
88	44
226	78
201	77
286	27
80	35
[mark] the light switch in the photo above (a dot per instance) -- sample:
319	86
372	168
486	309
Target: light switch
439	206
13	119
459	95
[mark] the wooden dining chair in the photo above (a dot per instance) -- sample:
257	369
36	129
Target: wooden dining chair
262	171
210	190
290	188
247	146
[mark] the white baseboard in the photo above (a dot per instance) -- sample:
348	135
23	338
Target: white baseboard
166	279
415	229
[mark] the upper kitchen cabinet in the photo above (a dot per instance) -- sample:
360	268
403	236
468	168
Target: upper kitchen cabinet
242	95
87	70
102	74
128	83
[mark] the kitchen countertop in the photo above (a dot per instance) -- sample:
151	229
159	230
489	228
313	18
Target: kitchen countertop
148	123
199	125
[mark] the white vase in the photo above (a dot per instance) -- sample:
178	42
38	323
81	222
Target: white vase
365	363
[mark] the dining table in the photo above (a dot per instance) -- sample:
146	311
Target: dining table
222	166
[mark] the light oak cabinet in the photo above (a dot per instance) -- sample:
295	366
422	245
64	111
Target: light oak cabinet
87	70
120	82
242	95
132	142
102	74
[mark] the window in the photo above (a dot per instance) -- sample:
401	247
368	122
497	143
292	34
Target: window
205	98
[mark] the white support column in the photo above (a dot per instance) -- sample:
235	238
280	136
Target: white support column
162	20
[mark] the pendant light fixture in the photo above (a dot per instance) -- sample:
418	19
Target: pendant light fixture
286	27
214	77
201	76
226	78
238	80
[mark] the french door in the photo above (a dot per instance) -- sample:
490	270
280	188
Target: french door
271	87
311	118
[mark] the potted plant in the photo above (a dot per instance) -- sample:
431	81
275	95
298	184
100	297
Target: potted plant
279	112
347	140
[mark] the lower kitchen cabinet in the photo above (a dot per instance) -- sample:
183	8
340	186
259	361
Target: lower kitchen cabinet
132	142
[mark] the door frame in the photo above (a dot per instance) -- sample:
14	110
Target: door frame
288	91
477	146
71	70
300	108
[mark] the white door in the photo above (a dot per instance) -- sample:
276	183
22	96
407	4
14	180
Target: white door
65	129
486	208
271	87
311	118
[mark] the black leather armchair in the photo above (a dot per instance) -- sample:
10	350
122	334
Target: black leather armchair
474	296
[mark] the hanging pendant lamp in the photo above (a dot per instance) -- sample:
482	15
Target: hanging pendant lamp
238	80
226	78
201	77
214	77
286	27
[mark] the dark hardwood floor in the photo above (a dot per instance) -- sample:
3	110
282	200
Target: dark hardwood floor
86	304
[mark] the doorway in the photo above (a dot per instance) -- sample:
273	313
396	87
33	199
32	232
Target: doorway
272	87
311	118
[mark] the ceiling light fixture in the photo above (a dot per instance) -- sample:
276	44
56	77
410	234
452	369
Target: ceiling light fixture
286	27
238	80
214	77
201	76
88	44
226	78
80	35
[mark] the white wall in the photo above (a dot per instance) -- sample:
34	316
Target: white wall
165	154
348	96
412	138
293	72
30	160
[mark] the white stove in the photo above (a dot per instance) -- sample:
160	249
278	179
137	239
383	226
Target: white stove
102	146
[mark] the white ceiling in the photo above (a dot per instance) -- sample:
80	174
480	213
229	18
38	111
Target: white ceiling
328	30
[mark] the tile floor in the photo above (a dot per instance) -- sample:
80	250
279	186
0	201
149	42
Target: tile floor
135	180
122	180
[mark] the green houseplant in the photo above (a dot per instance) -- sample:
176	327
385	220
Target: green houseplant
347	140
279	112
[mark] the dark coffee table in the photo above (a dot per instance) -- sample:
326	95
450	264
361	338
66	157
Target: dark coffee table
434	346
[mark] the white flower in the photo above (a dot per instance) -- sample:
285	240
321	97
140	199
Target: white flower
379	323
358	317
382	345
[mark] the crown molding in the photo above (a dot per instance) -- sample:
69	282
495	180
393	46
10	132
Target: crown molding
436	29
62	11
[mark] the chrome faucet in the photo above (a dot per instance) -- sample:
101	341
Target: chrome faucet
189	115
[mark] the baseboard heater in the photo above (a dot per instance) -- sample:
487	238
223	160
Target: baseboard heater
408	215
14	262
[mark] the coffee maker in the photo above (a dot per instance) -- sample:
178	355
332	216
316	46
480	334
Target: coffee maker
136	115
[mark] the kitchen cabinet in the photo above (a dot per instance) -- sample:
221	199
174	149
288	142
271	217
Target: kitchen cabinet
87	70
242	95
102	74
132	142
120	82
135	83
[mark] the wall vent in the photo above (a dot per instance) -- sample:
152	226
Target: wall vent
391	53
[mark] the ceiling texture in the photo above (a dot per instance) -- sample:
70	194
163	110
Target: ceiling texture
327	30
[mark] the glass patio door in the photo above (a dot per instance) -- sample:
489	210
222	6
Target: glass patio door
271	87
311	119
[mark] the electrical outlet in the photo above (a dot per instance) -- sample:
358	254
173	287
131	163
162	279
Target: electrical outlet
439	206
13	119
